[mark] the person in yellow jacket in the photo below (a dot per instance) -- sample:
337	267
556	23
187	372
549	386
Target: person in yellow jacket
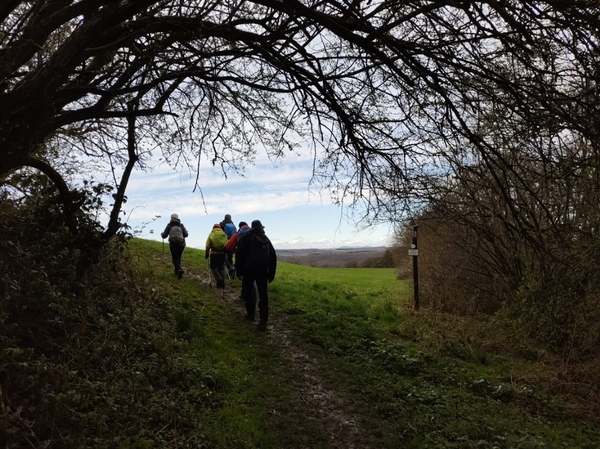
215	249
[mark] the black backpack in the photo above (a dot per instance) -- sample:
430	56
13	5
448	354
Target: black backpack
260	252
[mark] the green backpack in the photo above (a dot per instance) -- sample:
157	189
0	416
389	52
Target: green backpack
219	240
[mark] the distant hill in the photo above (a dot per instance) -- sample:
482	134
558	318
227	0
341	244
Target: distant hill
335	257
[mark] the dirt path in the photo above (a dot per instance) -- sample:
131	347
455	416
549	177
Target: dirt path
323	405
316	403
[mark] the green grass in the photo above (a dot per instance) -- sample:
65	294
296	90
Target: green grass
413	382
456	396
215	348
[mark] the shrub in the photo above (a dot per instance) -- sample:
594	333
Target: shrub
561	312
85	361
551	293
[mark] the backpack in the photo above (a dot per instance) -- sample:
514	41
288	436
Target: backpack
229	229
260	252
219	240
176	235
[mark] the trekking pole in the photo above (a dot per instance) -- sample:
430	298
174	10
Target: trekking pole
163	246
223	290
209	273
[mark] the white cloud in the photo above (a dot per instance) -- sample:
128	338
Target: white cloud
296	215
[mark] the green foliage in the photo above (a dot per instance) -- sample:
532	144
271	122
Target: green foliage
84	350
561	316
188	324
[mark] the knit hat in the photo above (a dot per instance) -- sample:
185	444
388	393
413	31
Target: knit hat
242	223
174	217
256	224
216	225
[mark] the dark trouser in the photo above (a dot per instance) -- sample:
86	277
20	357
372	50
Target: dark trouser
176	253
217	265
261	279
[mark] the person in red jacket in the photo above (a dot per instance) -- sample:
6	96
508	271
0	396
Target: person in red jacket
233	241
232	244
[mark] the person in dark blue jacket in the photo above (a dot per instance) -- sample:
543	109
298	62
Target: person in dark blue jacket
256	261
229	229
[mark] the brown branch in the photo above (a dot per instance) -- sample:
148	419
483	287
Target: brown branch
119	197
61	185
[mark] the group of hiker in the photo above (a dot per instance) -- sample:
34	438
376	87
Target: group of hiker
255	259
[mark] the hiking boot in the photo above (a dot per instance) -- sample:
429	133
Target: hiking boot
250	317
221	283
262	325
180	274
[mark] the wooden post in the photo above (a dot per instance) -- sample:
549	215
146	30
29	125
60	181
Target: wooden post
414	252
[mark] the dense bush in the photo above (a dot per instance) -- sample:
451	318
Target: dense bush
84	358
387	260
552	297
516	230
562	311
455	275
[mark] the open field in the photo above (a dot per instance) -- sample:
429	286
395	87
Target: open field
346	363
338	257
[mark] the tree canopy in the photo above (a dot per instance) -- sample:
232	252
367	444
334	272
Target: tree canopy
391	97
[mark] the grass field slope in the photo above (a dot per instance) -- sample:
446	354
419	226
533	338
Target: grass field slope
125	355
346	363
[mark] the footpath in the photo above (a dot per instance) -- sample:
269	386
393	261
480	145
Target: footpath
316	406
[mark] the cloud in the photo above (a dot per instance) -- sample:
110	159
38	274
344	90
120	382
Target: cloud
190	205
268	190
297	214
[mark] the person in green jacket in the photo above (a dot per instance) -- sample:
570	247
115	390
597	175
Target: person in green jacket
215	249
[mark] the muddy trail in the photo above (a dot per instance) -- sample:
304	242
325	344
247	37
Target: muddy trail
320	415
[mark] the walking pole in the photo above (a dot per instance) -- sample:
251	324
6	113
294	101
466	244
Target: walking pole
223	290
209	273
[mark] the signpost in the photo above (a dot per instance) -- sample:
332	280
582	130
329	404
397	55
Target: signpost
414	252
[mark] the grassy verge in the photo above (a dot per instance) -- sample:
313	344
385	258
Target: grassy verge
216	348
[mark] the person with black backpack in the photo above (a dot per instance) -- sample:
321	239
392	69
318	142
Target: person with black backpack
256	261
176	233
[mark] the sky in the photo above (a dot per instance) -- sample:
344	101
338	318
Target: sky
294	215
